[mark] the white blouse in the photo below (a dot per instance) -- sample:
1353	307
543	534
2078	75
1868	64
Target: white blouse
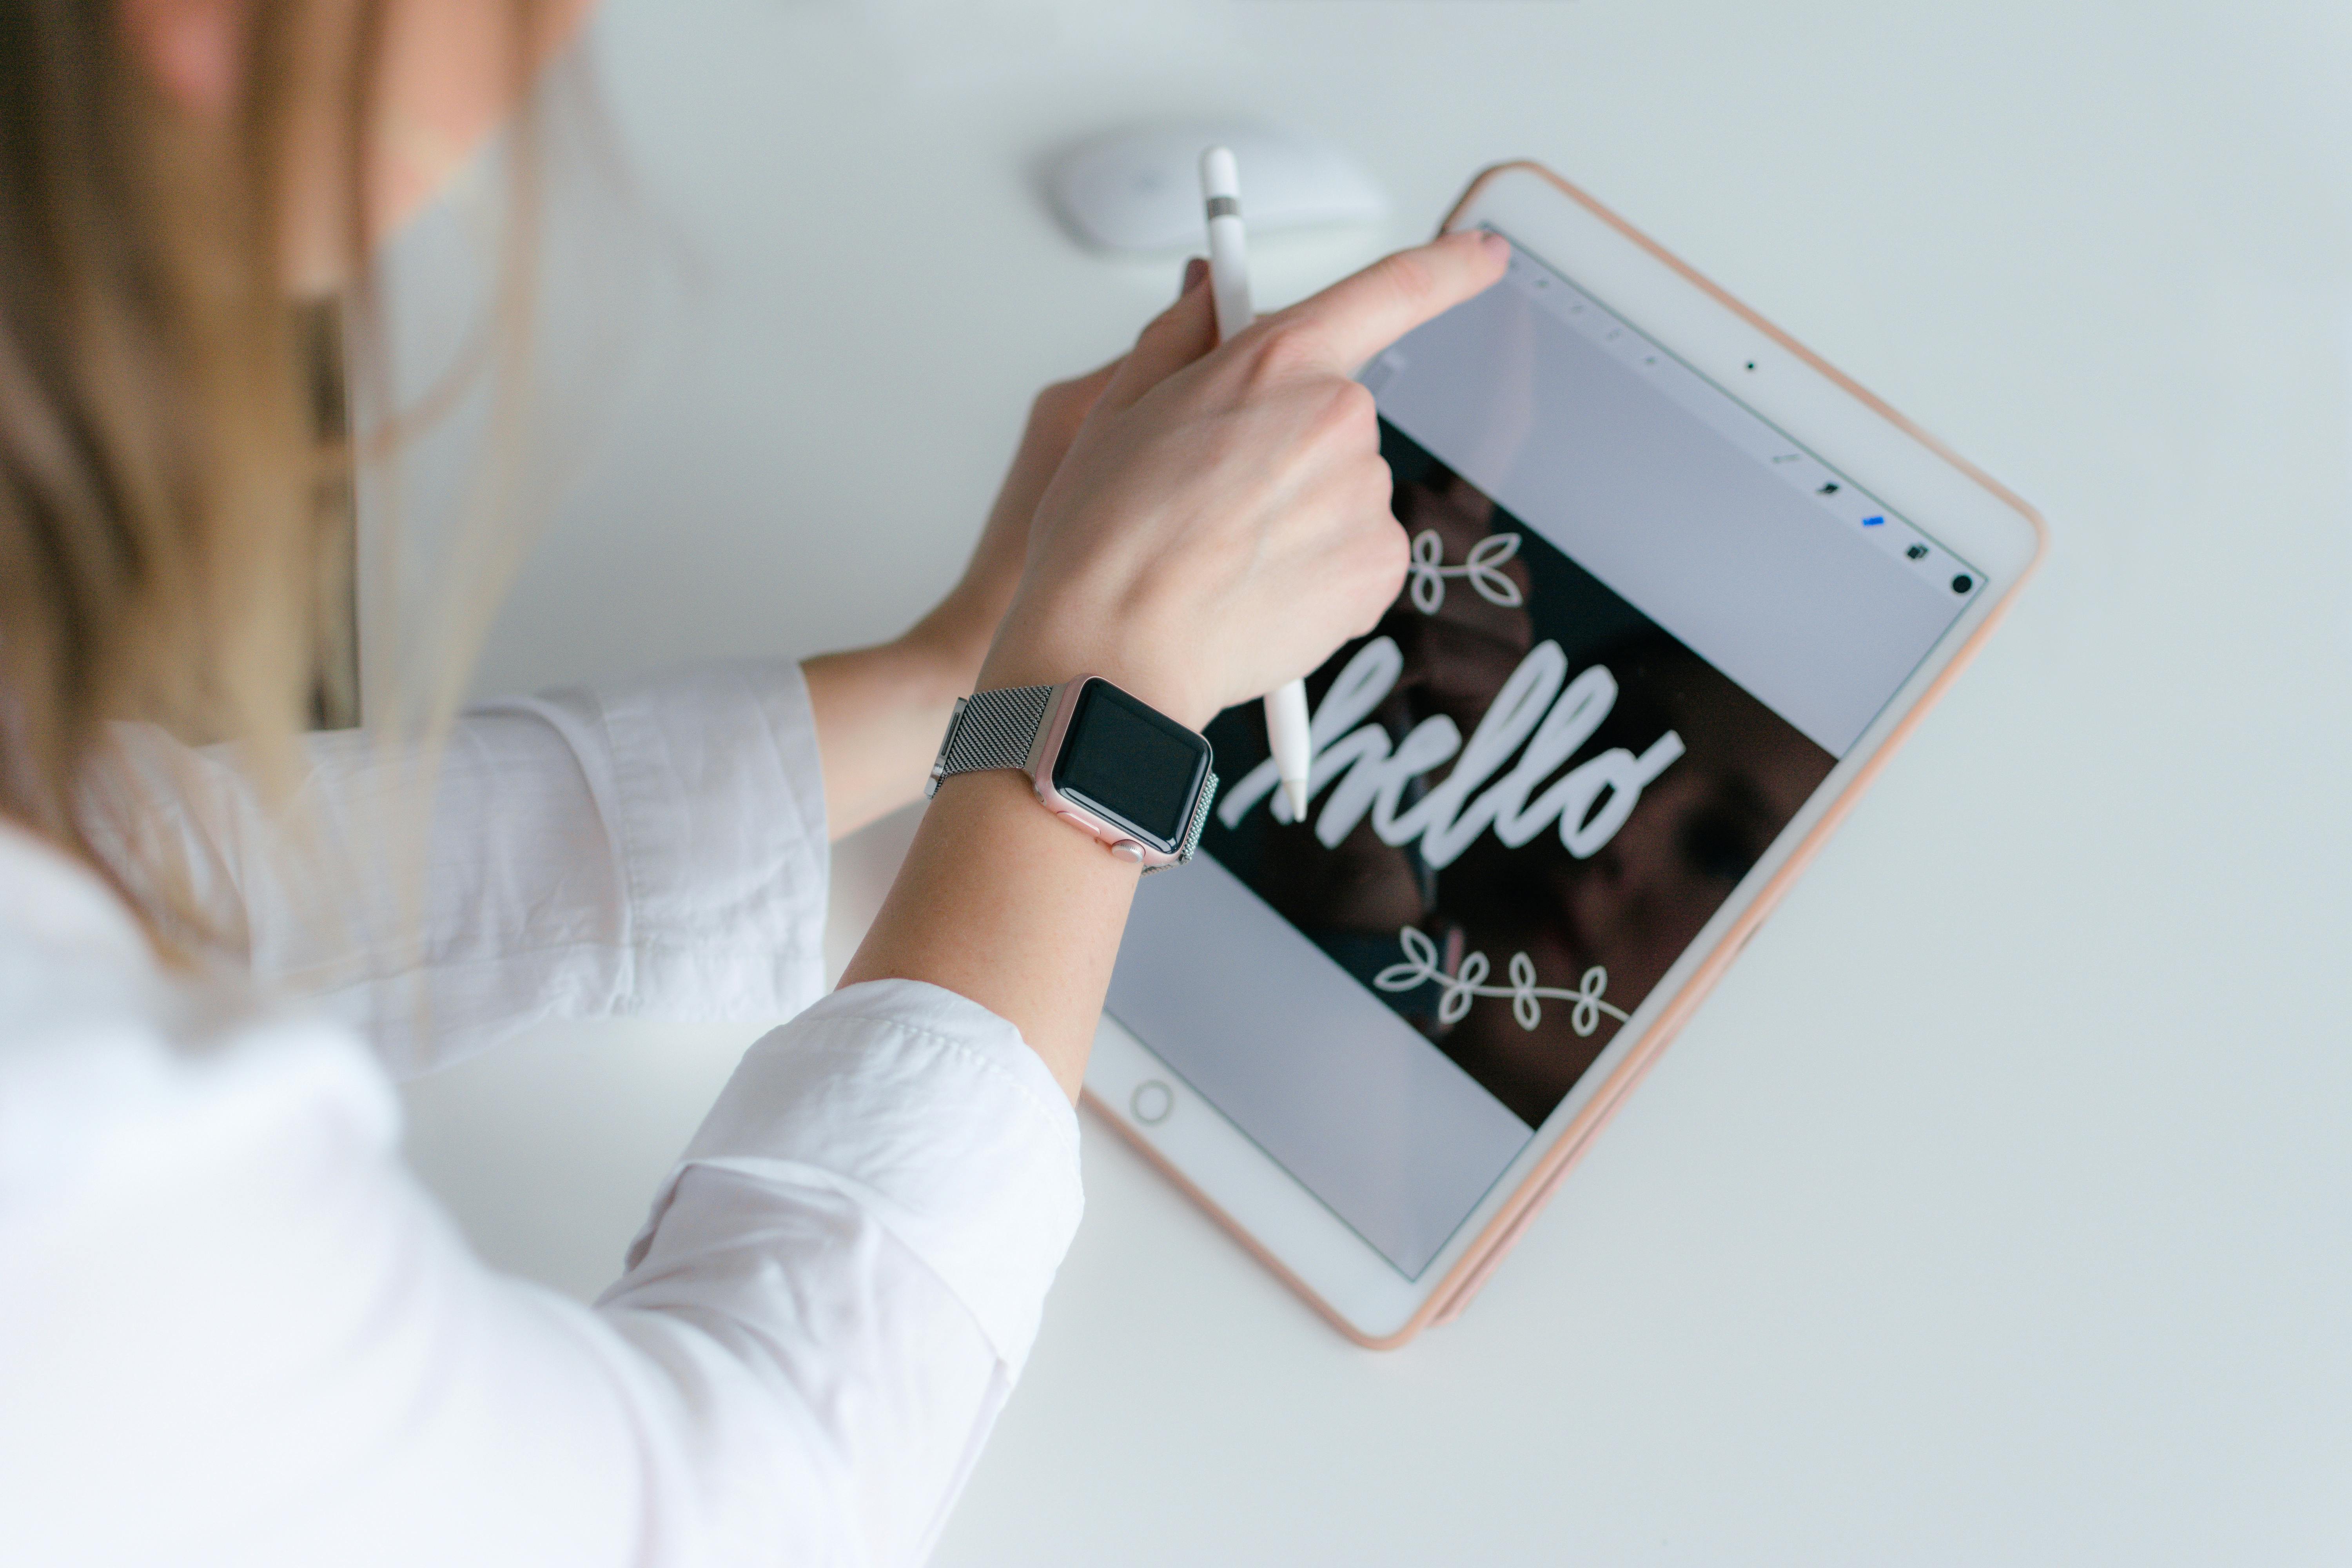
235	1330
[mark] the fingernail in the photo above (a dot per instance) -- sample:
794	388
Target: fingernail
1195	270
1495	243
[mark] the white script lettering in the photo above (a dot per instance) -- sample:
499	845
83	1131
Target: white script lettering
1366	772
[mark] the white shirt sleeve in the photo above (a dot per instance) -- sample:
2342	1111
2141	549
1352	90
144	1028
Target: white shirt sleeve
656	847
233	1329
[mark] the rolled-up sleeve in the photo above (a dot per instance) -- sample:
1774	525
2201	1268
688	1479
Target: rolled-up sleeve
893	1094
834	1295
655	848
830	1302
920	1166
707	792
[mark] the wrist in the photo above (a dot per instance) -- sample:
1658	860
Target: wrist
1027	662
1107	763
999	902
945	649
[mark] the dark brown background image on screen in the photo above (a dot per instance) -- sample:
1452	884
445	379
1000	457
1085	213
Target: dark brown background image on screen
1630	907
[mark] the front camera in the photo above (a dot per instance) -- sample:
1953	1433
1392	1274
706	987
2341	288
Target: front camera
1963	582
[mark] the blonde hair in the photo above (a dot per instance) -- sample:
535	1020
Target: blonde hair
172	455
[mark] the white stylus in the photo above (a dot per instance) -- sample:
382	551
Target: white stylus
1287	732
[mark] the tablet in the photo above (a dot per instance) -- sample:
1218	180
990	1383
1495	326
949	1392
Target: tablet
1677	589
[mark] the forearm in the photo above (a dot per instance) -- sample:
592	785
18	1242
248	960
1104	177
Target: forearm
879	713
1003	904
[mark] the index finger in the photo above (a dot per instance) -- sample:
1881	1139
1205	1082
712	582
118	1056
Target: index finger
1359	316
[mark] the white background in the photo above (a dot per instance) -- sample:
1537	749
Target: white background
1998	1207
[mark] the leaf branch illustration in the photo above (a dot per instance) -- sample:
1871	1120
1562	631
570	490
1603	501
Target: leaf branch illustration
1427	572
1458	990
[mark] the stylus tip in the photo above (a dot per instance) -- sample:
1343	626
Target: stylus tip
1220	174
1295	792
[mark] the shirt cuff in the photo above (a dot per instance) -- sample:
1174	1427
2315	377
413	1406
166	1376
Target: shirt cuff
718	817
935	1117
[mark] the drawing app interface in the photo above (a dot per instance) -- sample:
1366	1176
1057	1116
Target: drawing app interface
1640	627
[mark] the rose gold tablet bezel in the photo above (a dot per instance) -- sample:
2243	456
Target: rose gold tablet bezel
1502	1229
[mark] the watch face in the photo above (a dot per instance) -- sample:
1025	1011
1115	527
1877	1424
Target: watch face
1131	763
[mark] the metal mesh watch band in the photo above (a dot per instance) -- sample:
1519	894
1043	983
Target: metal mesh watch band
1192	832
999	729
991	730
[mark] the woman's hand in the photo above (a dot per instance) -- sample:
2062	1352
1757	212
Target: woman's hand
1222	520
1220	525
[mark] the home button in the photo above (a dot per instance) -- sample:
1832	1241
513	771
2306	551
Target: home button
1152	1102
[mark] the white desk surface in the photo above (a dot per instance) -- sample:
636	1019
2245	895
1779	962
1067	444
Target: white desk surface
1998	1207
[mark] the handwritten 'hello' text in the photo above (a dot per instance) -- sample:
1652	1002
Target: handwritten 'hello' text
1366	772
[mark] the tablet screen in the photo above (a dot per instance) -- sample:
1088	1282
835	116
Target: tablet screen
1640	627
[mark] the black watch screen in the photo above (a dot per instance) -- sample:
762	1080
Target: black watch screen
1132	764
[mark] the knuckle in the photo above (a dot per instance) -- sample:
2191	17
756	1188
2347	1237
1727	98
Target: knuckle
1391	553
1363	493
1288	349
1347	414
1353	401
1394	554
1058	405
1169	320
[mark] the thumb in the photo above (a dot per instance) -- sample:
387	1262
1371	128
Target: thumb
1176	337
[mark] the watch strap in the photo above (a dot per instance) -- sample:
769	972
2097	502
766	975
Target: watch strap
1199	821
991	730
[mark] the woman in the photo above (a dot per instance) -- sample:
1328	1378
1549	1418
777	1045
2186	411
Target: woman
232	1328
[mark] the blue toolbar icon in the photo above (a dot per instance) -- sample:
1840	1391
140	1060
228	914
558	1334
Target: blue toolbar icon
1873	521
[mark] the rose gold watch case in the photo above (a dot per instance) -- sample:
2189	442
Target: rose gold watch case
1503	1227
1047	749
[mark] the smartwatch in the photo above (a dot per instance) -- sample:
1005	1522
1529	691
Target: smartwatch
1105	762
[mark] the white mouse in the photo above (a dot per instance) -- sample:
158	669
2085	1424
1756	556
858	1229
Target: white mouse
1141	190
